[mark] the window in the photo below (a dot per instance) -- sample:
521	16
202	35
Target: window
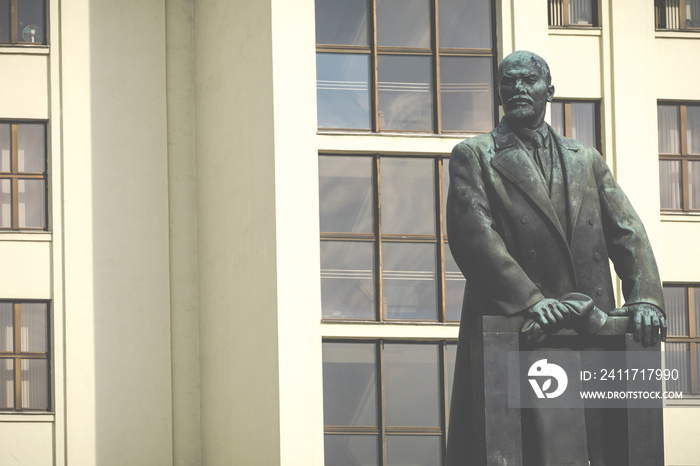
379	68
679	157
677	14
23	22
386	402
577	120
683	340
23	176
384	251
569	13
24	356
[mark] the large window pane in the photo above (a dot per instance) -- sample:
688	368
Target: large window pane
349	384
7	383
454	287
351	450
581	12
670	184
405	90
341	22
34	327
678	357
694	184
692	13
408	195
347	279
343	91
5	21
412	385
414	450
583	122
7	340
467	99
5	203
465	24
410	286
32	203
31	154
693	131
5	147
403	23
345	192
669	129
676	300
35	383
30	20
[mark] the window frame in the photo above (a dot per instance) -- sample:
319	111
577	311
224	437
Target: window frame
382	430
660	16
17	355
684	157
15	175
565	21
434	51
14	26
693	338
378	238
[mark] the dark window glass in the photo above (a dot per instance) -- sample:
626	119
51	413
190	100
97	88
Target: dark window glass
345	194
392	87
343	91
677	14
384	401
347	279
405	90
5	23
342	22
679	156
567	13
467	93
408	195
454	287
25	24
410	285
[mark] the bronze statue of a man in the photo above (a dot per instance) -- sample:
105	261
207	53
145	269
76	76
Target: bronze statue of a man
532	219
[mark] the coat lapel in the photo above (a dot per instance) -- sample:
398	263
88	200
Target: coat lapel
513	162
575	177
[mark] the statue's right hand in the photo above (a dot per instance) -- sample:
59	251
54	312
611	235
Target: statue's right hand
549	313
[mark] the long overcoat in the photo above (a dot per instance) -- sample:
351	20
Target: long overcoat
506	238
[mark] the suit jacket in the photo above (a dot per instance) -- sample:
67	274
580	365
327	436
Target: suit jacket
506	238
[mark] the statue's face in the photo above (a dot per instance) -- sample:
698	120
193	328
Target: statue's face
524	90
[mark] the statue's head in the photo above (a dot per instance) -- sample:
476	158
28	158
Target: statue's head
524	88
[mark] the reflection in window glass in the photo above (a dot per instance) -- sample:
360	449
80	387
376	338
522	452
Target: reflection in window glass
410	285
454	287
405	90
345	194
670	184
355	450
677	357
465	24
467	99
693	131
408	195
30	21
413	450
676	301
347	279
31	151
694	184
349	384
343	91
32	203
341	22
412	382
669	129
5	21
403	23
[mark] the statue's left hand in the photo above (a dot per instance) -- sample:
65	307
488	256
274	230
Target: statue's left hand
648	323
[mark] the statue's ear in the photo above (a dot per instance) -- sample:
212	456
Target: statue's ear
550	93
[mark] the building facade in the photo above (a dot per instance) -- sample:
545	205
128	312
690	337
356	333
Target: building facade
215	214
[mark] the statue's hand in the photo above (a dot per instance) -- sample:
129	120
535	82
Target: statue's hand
648	323
548	313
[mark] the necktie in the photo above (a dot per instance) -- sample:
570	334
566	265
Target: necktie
541	157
